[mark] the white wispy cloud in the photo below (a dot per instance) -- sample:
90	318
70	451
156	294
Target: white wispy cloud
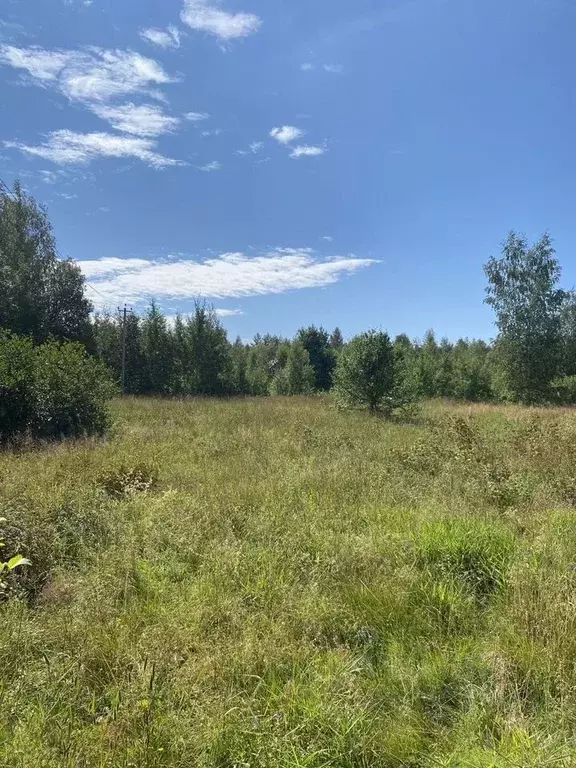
335	69
95	77
139	120
306	150
195	117
221	312
213	132
69	148
230	275
213	166
164	38
287	133
50	177
253	148
92	75
328	238
109	265
209	17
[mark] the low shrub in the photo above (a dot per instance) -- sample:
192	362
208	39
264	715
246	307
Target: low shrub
50	391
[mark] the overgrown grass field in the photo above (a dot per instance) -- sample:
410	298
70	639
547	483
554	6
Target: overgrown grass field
272	582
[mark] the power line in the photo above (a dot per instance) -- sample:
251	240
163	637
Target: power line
96	291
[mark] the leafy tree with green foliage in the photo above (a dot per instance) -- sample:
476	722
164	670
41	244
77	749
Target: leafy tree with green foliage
239	368
264	357
209	365
322	358
365	373
471	378
336	340
257	373
428	364
568	331
156	351
523	291
40	295
297	377
108	341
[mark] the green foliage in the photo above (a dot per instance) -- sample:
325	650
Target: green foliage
51	390
365	373
208	364
522	289
568	331
157	357
337	340
40	295
297	377
564	390
321	354
7	567
108	339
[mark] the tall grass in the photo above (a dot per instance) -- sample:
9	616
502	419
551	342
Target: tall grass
274	583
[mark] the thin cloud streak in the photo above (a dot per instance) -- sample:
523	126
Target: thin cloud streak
230	275
69	148
306	150
163	38
213	166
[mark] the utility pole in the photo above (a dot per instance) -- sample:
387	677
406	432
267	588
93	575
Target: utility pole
123	349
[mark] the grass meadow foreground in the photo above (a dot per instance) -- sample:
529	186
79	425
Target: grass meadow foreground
274	583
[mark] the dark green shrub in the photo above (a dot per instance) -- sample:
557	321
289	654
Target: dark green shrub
71	391
51	390
17	372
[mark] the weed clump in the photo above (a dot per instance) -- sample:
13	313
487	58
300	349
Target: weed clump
124	481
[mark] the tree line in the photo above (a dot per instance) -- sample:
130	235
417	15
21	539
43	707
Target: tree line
43	302
192	356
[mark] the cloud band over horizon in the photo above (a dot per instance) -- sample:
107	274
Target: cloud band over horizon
229	275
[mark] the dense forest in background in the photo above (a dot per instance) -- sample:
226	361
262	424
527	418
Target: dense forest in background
192	355
43	302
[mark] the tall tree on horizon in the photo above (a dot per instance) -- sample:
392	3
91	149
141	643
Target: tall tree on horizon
41	296
322	356
523	291
157	351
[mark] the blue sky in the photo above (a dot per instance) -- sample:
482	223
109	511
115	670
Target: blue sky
295	161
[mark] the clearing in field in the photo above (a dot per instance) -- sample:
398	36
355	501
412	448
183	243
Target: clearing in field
274	583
